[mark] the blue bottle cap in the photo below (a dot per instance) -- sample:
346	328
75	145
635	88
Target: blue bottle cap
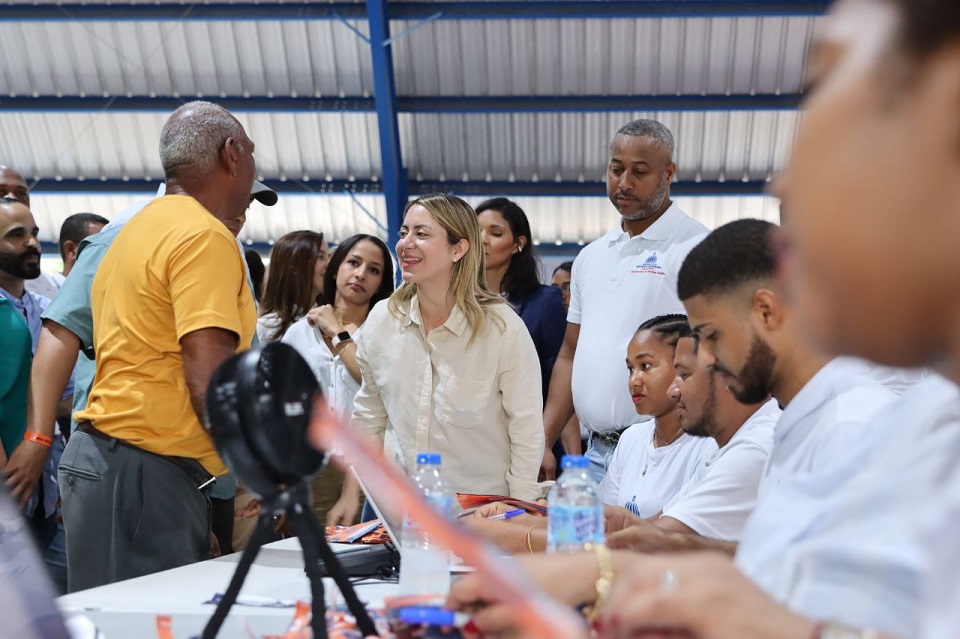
431	459
574	461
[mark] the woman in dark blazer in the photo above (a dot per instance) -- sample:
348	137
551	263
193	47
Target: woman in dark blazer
512	270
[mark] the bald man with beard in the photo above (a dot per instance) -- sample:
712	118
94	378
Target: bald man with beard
13	186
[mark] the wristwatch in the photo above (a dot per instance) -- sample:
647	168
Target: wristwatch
340	337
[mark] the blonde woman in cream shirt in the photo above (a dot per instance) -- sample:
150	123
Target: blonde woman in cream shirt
447	366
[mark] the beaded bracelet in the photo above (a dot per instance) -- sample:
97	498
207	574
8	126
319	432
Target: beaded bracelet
605	580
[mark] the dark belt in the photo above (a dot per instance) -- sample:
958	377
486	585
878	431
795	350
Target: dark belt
191	467
608	437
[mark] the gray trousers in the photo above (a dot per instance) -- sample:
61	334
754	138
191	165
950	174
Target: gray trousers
127	513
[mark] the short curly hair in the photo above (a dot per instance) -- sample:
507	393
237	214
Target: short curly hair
730	256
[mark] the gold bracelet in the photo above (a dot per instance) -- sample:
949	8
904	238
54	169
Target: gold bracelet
529	539
605	581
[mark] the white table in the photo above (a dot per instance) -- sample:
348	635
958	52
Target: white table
128	609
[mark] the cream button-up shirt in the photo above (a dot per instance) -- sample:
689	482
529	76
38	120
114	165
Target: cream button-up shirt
479	404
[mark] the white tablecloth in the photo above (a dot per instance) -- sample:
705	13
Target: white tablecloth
128	609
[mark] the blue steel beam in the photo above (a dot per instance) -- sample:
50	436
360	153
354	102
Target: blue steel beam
426	104
599	103
579	189
300	11
608	9
166	104
51	186
395	186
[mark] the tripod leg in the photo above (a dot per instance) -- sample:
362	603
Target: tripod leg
260	535
315	537
298	519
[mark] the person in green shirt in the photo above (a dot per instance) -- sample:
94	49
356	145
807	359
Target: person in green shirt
14	377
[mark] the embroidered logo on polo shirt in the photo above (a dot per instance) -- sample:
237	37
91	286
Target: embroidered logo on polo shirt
650	266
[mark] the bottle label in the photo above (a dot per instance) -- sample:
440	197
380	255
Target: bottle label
441	503
574	525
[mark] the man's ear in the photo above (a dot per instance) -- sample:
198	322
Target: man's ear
230	156
70	249
670	171
768	309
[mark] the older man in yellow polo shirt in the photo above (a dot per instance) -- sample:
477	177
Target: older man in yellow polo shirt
170	303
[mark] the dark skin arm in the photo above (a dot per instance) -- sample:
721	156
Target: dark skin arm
559	408
570	437
204	351
668	536
53	362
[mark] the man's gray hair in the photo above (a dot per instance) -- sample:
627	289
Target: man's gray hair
192	137
650	129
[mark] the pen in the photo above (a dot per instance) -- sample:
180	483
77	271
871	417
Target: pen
510	514
428	616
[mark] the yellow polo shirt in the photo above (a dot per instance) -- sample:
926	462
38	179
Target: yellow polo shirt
172	270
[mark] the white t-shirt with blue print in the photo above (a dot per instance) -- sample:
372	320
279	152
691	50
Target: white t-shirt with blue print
642	478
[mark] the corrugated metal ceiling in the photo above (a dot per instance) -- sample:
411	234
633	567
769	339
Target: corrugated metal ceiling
569	220
573	146
664	57
604	57
320	58
184	58
124	145
301	146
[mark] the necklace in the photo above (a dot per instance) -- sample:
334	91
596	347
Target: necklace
672	439
646	463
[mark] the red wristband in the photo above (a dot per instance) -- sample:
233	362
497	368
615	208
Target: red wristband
38	438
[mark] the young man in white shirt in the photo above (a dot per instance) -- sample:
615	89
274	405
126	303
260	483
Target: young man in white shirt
717	500
618	281
827	432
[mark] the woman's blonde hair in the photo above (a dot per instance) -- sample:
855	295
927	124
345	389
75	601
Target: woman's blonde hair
469	281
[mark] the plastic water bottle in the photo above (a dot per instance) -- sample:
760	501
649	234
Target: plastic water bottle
575	508
425	566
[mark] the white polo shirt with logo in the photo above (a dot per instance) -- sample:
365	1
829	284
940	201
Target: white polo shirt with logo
617	283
